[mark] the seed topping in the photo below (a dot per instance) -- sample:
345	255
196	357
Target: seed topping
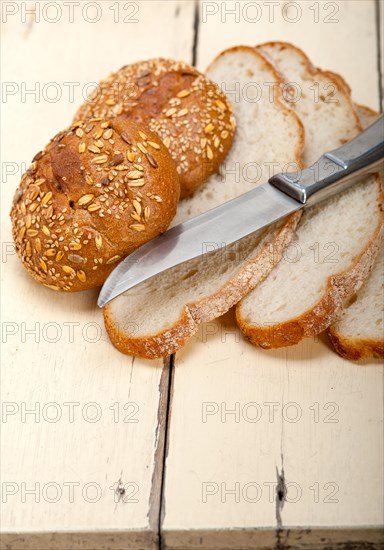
154	145
134	175
47	197
170	112
113	259
81	276
98	242
67	269
85	199
116	160
137	227
137	207
102	159
126	138
142	148
151	160
183	93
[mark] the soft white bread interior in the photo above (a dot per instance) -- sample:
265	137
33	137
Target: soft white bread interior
336	241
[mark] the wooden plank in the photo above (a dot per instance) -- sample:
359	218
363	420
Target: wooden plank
83	471
299	459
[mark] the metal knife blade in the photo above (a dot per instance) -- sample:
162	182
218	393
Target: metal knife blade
282	195
226	223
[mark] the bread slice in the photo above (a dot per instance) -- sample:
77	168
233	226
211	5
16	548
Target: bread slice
155	318
268	135
336	242
366	115
359	332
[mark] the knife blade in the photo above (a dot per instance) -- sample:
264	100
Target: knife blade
282	195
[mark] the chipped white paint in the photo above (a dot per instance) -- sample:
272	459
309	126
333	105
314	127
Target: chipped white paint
100	433
240	415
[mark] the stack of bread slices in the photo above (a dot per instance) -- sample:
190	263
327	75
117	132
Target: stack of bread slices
112	181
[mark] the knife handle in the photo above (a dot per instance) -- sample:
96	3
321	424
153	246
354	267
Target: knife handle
337	169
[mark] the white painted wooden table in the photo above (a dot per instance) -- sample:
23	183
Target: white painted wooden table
224	446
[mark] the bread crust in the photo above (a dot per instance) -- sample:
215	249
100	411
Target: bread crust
367	115
279	100
185	109
367	111
355	349
316	71
193	314
340	286
98	190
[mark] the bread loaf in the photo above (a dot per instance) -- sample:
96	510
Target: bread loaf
99	190
156	318
336	241
184	108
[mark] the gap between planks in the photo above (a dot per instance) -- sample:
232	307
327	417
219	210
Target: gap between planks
156	511
157	485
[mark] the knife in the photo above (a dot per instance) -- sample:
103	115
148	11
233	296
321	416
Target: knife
282	195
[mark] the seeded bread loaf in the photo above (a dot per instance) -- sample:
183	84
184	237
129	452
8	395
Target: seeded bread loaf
155	318
359	331
98	190
191	115
336	242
